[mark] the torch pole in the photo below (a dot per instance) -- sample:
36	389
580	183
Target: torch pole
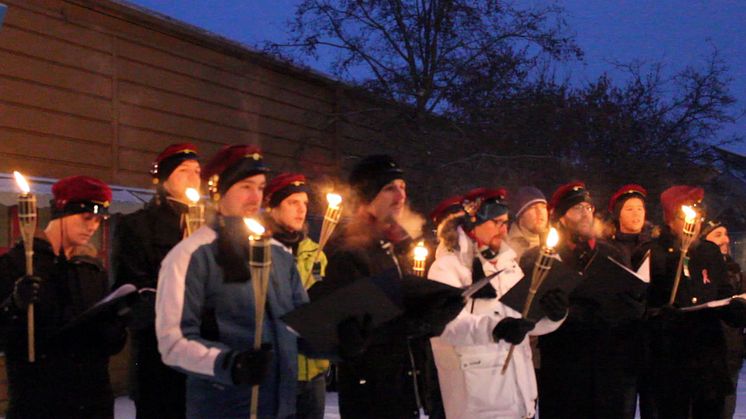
686	242
27	223
541	269
331	219
260	263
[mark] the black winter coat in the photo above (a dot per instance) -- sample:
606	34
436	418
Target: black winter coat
70	377
141	241
589	365
379	383
688	351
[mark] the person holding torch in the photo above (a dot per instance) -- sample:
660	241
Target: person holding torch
688	348
589	365
141	241
206	320
69	377
472	349
286	201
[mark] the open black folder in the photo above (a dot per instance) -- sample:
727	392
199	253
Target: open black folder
560	276
384	297
111	306
316	322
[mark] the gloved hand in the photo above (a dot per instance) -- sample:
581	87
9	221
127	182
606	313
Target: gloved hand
251	367
26	291
555	303
512	330
486	292
354	333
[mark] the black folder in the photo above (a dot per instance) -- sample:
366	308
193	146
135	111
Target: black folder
113	305
559	276
316	322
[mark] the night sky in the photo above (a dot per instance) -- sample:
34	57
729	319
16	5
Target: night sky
675	32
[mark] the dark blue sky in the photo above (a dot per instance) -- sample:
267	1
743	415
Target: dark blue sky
675	32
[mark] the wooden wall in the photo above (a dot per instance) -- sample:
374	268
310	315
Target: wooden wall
97	87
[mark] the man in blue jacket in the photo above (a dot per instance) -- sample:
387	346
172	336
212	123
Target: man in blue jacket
205	303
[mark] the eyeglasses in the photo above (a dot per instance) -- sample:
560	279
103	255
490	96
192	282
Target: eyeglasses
582	207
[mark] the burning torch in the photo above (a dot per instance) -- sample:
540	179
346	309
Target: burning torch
541	269
195	216
331	219
27	222
420	255
690	226
260	264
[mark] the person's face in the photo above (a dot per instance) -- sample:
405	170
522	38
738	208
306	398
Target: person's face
719	236
77	229
492	232
632	216
244	197
579	220
291	213
186	175
534	218
389	203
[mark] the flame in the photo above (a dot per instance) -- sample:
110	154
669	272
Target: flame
689	214
21	181
192	195
254	226
552	238
334	200
420	251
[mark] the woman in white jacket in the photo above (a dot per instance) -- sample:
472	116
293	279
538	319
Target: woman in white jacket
470	353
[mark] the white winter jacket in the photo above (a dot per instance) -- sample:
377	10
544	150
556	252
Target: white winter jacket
469	362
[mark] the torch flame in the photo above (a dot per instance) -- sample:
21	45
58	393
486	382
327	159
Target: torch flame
254	226
334	200
21	181
192	195
420	251
552	238
689	214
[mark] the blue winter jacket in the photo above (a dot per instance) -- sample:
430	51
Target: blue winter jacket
191	289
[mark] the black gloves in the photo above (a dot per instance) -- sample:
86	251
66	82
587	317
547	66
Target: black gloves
353	335
512	330
26	291
251	367
555	303
487	292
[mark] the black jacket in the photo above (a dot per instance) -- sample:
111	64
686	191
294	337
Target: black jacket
70	377
379	383
141	241
688	350
589	365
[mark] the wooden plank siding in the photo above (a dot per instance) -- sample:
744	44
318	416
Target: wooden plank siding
97	87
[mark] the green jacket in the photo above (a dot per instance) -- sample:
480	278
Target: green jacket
308	368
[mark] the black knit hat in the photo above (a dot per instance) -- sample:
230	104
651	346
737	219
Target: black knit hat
372	173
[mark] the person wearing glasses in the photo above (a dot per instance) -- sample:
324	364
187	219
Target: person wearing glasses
588	366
